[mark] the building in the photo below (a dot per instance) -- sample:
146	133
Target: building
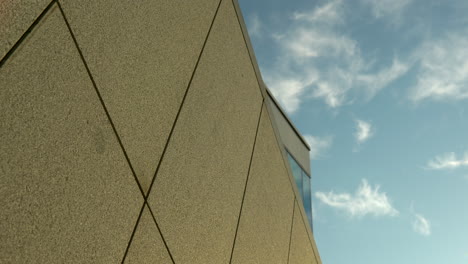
141	132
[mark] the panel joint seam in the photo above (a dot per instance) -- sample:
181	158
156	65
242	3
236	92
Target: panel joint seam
100	97
246	181
181	105
133	233
26	34
260	87
292	223
160	233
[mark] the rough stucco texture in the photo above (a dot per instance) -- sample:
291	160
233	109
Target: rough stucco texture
15	18
205	167
67	193
147	245
141	55
301	251
265	224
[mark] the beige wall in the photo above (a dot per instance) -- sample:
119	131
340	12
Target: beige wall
138	132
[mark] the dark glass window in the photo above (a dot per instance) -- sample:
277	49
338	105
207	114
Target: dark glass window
297	173
306	196
303	185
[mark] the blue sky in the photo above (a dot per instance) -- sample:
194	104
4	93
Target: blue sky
379	89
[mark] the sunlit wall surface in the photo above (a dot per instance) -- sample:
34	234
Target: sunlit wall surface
303	185
140	133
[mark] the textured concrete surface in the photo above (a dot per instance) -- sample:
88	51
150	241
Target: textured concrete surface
290	139
67	193
198	190
15	18
250	49
292	180
301	251
316	252
142	55
147	245
265	225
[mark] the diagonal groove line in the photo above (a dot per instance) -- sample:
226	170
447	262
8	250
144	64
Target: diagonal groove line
246	181
258	81
260	86
25	34
133	233
182	104
311	244
100	97
292	223
160	233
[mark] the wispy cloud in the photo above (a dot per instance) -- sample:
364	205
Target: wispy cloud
387	8
289	90
255	26
316	60
364	131
447	161
318	145
365	201
329	13
373	83
308	42
443	72
421	225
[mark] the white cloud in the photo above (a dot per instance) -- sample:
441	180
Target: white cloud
443	72
447	161
421	225
289	90
333	95
365	201
317	61
318	145
364	131
387	8
329	13
375	82
307	42
255	26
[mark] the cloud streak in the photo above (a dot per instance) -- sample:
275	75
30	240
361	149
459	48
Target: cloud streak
365	201
318	145
387	8
255	26
329	13
443	71
421	225
447	161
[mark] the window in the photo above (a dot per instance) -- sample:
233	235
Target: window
297	173
303	185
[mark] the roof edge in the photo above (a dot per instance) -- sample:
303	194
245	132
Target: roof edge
273	99
266	94
265	91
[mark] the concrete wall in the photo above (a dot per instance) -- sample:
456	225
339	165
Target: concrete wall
137	132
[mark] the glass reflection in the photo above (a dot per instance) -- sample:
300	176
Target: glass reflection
303	185
297	173
306	197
